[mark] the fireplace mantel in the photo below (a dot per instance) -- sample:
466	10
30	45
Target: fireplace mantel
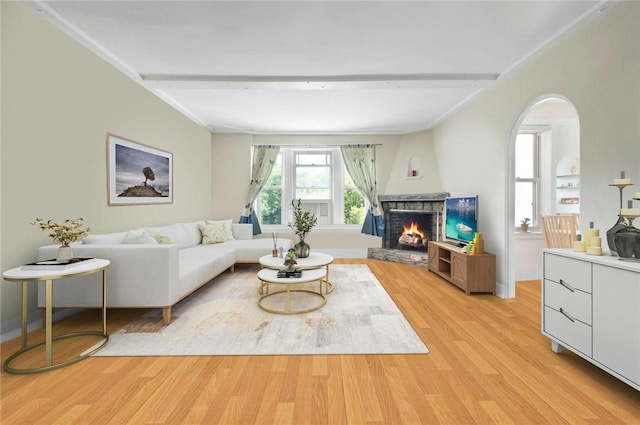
429	197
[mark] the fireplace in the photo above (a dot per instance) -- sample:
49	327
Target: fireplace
409	230
410	221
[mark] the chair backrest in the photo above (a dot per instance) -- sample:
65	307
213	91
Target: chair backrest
560	230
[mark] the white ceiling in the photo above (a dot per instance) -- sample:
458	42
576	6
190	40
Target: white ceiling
317	66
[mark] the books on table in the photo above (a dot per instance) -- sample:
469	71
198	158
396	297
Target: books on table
55	265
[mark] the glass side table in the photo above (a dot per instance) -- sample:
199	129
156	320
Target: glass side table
18	274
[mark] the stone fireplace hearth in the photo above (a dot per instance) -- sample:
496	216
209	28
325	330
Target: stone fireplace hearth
410	221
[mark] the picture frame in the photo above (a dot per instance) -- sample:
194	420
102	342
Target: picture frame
138	174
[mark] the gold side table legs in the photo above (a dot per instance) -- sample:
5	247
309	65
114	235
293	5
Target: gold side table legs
49	338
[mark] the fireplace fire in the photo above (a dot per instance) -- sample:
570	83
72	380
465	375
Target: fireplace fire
413	236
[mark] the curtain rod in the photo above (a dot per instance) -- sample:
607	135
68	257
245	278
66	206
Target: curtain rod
316	146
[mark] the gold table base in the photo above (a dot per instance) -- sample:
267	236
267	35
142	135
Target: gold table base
288	310
9	369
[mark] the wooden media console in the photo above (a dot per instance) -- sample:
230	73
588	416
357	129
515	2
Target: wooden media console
469	272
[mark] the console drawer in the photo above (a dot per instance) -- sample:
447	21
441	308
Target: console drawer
575	273
576	303
574	333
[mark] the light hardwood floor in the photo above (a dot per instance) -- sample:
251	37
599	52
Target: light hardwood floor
489	364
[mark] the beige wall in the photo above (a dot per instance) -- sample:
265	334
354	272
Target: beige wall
58	102
231	175
597	69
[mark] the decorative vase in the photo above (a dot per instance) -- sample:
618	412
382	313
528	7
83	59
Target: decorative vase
628	242
302	249
65	254
611	234
620	224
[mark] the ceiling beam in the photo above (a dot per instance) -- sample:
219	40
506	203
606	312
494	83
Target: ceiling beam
324	82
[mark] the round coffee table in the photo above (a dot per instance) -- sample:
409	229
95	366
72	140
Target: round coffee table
270	276
313	261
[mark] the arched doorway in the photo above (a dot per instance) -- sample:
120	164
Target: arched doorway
554	187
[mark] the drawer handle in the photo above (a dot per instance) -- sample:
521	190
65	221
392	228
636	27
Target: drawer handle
567	315
566	285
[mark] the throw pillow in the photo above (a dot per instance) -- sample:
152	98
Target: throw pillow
138	237
213	233
160	238
227	227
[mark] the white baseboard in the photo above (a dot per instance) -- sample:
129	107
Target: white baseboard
12	328
531	275
345	252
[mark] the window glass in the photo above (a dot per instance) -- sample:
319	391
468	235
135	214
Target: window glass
353	202
525	151
527	182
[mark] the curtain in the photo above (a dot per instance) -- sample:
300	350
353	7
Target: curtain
360	161
264	157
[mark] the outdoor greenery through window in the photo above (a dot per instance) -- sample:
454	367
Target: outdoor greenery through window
318	177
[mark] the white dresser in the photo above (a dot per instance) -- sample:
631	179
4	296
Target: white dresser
591	306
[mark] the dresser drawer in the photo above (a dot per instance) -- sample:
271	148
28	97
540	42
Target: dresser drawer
576	274
574	334
575	302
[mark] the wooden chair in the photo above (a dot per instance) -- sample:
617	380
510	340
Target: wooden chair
560	230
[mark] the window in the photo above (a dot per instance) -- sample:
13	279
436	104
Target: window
527	184
270	200
319	178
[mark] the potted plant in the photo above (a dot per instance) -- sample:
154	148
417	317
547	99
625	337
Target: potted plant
66	232
524	224
302	223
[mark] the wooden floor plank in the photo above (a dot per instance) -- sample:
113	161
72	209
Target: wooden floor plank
488	364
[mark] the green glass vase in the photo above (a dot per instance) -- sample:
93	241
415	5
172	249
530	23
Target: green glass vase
302	249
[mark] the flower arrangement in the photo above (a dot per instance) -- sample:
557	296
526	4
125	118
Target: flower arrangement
66	232
303	220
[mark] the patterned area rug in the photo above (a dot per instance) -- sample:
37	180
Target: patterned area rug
223	318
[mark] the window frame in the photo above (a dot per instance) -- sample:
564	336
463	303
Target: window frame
336	203
534	180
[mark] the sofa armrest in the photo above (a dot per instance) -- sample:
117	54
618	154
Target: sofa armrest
242	231
139	276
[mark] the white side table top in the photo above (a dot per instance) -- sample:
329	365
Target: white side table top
314	260
89	266
271	276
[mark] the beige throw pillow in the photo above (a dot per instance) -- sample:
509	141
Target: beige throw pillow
212	233
160	238
227	227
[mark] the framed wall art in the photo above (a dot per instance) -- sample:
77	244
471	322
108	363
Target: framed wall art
138	174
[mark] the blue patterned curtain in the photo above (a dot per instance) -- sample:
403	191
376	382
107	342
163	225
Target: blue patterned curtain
360	161
264	157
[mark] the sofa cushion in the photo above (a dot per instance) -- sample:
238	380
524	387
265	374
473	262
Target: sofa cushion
202	263
213	233
139	237
242	230
176	233
193	230
104	238
227	227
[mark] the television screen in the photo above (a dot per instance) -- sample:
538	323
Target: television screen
461	218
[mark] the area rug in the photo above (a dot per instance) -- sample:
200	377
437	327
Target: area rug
223	318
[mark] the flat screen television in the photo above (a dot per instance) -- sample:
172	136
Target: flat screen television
461	218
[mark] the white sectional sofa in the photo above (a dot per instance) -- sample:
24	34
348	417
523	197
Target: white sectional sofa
148	274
